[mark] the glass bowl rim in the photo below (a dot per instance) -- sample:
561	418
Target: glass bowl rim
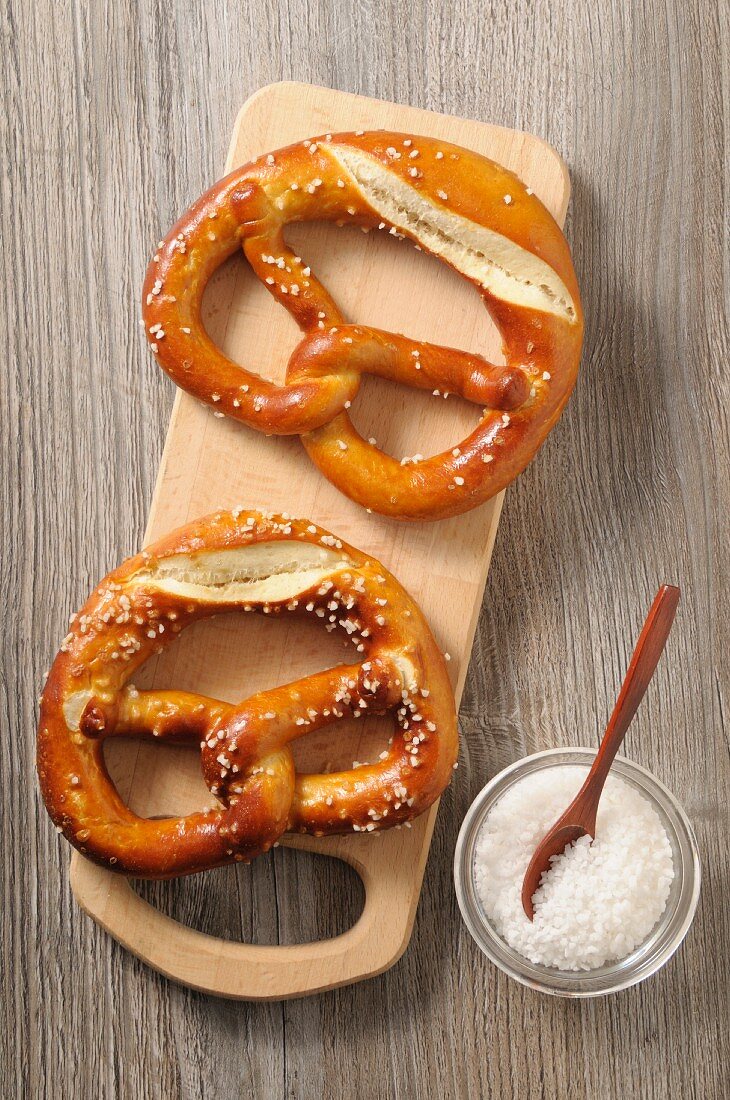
623	973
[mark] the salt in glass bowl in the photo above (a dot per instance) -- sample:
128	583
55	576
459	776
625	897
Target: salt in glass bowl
664	938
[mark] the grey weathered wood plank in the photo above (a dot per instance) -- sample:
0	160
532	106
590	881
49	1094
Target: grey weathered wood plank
114	117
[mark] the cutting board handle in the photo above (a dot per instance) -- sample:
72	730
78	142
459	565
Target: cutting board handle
261	972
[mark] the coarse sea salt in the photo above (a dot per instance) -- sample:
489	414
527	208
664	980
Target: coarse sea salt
599	900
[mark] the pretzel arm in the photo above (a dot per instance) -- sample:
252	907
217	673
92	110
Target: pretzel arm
411	362
178	717
290	280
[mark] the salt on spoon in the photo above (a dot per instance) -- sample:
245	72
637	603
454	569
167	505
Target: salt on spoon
580	817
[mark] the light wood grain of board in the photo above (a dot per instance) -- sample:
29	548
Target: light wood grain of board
105	103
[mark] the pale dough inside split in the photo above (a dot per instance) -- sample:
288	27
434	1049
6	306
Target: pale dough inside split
502	267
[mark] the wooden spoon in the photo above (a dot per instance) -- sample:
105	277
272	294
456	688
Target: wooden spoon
580	817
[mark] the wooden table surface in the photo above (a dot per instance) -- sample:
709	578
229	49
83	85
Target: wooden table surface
114	117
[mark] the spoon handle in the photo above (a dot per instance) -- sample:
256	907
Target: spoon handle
645	658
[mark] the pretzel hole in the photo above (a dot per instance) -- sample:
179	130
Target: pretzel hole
246	323
376	280
338	746
285	897
156	780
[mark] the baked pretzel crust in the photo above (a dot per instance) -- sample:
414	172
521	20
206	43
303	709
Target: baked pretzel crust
475	215
245	561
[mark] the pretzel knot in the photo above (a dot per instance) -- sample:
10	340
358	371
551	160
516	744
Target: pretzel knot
475	216
243	561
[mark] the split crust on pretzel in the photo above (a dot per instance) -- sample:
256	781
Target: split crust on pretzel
245	561
476	216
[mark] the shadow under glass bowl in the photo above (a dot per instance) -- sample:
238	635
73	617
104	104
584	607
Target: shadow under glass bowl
664	938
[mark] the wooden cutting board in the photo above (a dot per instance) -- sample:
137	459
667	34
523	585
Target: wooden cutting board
210	463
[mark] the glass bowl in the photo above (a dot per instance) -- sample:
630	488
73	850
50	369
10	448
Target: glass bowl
664	938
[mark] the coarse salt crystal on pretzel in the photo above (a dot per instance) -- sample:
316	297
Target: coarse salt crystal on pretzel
469	212
243	561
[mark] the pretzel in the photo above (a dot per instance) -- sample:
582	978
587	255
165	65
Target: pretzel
243	561
476	216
